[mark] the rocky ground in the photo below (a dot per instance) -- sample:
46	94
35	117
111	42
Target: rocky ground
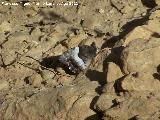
121	83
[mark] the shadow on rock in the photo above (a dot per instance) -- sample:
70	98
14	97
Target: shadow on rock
98	114
157	75
50	62
54	63
95	75
127	28
118	86
114	57
149	3
93	117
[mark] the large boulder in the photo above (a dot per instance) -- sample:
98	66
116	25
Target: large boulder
141	56
63	102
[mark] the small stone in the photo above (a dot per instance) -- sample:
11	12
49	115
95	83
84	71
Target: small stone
113	72
74	41
101	11
4	85
104	102
90	23
36	33
46	74
37	80
157	2
65	80
5	27
58	50
34	80
60	70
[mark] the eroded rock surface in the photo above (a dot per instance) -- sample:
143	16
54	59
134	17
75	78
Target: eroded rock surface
133	94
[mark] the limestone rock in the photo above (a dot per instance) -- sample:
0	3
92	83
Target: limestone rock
137	108
75	40
4	85
157	2
104	102
143	83
5	27
16	43
151	29
141	56
29	34
79	111
138	32
34	80
113	72
99	59
47	75
63	102
58	50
